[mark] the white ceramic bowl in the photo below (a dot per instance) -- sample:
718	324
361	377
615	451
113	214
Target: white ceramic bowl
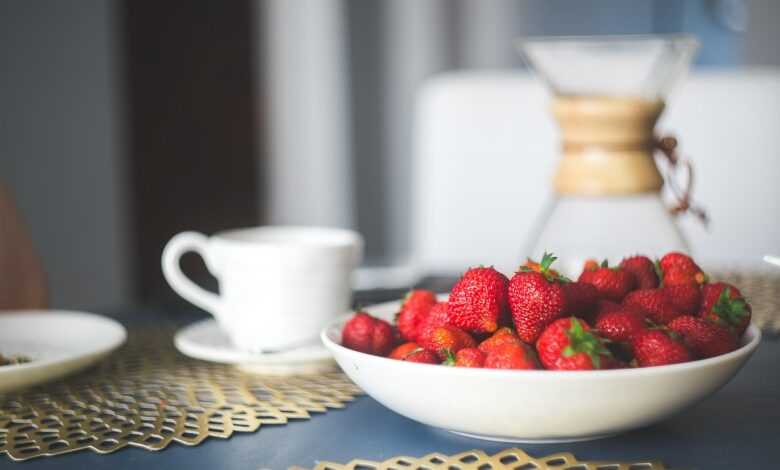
533	406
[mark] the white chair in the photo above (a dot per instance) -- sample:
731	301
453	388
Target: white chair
486	146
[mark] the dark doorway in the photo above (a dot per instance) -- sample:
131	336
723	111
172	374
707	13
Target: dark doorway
193	146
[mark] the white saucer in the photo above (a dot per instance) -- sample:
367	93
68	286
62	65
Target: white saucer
57	342
206	341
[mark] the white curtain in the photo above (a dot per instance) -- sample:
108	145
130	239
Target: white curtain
319	171
303	62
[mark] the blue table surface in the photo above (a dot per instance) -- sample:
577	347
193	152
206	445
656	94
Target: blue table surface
738	427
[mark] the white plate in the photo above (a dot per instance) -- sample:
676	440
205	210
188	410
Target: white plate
58	342
537	405
205	340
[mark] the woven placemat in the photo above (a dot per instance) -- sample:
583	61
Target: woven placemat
762	290
147	395
508	459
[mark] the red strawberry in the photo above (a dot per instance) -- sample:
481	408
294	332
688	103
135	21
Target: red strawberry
536	299
620	325
678	268
658	348
654	303
614	363
467	357
724	304
501	336
676	276
436	317
416	306
367	334
478	300
611	283
511	356
685	297
400	352
590	265
422	356
703	338
643	270
444	340
569	344
604	306
580	298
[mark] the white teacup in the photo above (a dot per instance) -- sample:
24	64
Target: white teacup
278	285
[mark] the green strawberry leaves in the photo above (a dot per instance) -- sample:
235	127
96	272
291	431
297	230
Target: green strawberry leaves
659	272
581	341
544	269
450	361
731	311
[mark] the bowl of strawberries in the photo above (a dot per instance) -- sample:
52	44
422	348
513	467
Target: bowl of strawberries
543	358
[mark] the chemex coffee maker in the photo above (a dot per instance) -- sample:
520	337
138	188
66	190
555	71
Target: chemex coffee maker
608	93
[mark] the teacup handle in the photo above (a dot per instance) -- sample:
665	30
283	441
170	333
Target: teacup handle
176	247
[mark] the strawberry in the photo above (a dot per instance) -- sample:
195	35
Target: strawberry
569	344
536	299
367	334
604	306
581	299
611	283
611	362
478	300
685	297
724	304
444	340
590	265
467	357
511	356
678	268
658	348
422	356
675	276
503	335
400	352
620	325
704	338
416	306
437	316
654	303
643	270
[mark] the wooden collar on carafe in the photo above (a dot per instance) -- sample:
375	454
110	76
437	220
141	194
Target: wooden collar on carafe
608	145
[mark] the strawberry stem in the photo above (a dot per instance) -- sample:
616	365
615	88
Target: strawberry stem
547	260
581	341
450	361
659	272
731	311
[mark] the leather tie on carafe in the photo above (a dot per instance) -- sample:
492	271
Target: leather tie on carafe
667	146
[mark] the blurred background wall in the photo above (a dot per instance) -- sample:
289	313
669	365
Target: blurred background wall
61	143
125	121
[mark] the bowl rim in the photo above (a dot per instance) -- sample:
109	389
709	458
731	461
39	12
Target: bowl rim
751	339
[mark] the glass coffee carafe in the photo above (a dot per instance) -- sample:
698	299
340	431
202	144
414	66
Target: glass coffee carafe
608	93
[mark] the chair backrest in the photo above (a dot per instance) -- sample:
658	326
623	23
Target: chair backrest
486	147
22	280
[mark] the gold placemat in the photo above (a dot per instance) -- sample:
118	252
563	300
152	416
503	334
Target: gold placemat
148	396
762	290
508	459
